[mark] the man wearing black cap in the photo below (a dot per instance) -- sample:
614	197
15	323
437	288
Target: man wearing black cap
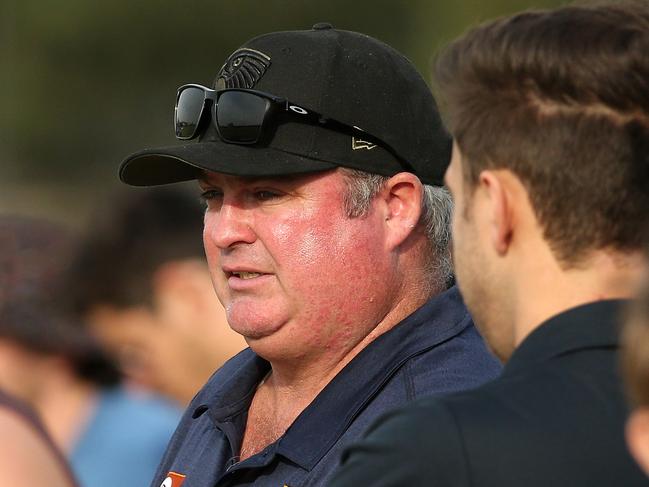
320	156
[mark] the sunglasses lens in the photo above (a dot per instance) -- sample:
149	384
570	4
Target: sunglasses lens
240	116
189	108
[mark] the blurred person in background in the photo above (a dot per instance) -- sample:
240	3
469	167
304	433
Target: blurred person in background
110	436
140	280
28	456
550	180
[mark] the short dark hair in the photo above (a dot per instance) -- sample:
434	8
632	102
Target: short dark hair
560	98
130	236
33	256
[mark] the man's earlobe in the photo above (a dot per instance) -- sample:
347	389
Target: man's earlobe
403	195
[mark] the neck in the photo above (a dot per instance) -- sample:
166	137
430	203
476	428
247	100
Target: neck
310	373
550	290
295	382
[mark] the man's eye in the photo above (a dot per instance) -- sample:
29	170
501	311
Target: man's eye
265	195
211	194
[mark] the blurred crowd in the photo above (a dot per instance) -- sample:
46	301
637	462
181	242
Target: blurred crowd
107	334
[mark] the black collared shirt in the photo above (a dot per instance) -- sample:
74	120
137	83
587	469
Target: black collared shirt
434	350
555	417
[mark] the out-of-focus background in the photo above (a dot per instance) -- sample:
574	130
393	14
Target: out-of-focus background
84	83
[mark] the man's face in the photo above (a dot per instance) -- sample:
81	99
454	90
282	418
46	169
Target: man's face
474	271
295	274
154	349
138	340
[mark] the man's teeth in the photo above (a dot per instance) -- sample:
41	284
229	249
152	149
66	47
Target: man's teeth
246	275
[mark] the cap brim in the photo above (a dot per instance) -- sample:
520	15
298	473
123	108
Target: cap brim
165	165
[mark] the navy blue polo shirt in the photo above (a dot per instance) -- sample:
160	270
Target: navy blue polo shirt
434	350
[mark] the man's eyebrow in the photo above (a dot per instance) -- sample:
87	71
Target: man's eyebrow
203	177
202	181
285	178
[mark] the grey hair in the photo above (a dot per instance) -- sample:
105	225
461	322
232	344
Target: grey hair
437	208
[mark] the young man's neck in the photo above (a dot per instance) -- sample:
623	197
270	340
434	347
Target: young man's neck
603	275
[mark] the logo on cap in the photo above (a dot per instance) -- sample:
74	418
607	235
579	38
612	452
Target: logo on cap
361	144
243	69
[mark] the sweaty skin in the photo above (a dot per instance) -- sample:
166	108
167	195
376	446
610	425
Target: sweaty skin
295	275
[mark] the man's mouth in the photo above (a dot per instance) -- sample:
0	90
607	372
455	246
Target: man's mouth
245	275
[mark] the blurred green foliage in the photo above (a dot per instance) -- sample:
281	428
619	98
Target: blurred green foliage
83	83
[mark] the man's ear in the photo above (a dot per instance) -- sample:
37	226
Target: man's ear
402	197
498	210
637	437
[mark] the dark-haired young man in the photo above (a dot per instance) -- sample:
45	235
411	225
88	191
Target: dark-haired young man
328	246
140	280
47	360
550	178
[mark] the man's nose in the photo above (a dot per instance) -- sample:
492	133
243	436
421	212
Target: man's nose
228	226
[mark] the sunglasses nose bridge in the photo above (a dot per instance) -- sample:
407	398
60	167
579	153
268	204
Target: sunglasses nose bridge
207	109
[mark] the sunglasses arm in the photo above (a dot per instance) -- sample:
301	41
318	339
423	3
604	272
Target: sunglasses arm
314	118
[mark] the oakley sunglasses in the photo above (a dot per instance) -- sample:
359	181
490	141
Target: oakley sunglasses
244	116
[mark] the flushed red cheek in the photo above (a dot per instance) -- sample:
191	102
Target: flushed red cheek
302	240
339	284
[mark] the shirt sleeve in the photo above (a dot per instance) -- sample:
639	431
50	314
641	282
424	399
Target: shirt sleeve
416	446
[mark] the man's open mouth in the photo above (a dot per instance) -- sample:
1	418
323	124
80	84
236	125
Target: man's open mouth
245	275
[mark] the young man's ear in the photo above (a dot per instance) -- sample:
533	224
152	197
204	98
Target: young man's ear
402	197
494	189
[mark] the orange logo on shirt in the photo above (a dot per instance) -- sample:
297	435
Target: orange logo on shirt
173	480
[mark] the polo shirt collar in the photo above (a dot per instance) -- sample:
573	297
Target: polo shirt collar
591	325
237	389
324	421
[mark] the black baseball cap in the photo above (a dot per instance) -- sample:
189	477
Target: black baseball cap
344	75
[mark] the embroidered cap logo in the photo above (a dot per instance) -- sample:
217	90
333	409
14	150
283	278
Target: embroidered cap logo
360	143
242	69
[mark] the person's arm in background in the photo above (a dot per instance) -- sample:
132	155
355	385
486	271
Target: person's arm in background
26	460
